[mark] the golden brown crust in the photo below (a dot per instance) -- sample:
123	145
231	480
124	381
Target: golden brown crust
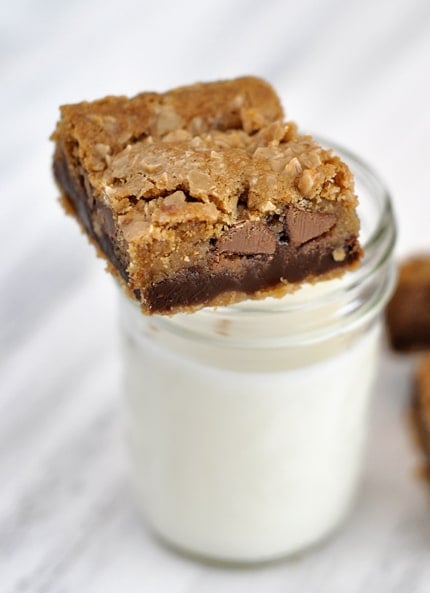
244	103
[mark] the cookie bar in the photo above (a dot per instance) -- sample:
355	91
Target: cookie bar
408	312
204	195
421	405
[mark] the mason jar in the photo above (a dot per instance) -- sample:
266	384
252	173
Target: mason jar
246	424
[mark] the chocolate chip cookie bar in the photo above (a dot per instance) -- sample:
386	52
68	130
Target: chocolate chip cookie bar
408	312
205	195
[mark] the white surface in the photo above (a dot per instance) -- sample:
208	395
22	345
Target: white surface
357	72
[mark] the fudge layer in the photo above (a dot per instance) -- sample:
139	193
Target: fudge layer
205	195
408	312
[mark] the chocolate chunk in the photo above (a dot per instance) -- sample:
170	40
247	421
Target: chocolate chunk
103	217
304	225
248	238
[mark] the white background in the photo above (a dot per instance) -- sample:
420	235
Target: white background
355	71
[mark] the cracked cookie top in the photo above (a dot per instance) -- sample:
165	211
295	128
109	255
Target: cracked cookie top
219	152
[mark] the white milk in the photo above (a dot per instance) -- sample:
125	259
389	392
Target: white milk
246	466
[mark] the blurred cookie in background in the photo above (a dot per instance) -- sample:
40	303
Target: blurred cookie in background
408	312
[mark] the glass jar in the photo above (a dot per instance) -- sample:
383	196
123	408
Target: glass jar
246	423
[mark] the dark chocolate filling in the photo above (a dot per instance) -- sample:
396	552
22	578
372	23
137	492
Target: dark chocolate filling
196	285
88	210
